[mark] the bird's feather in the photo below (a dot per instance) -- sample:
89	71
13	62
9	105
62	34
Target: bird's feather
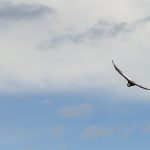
127	78
118	70
141	87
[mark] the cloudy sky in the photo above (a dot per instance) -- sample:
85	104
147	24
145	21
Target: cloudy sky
58	88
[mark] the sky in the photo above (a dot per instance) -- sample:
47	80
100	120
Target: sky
58	87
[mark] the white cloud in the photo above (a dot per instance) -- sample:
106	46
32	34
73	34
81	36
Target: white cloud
82	14
73	65
124	130
93	132
72	111
86	12
75	59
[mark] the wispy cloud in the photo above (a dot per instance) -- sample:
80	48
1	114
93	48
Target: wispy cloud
72	111
124	130
57	131
93	132
102	30
10	11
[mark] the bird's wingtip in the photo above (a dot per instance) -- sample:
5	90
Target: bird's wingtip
112	61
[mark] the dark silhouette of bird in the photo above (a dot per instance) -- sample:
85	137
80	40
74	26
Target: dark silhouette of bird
130	82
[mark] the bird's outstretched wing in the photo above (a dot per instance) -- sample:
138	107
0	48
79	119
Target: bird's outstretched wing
141	86
127	78
120	72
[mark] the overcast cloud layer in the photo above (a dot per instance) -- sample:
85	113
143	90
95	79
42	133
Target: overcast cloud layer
41	50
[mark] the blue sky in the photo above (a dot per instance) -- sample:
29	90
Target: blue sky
34	121
58	87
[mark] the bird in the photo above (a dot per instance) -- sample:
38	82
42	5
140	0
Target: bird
130	82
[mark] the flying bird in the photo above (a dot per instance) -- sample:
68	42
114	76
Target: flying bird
130	82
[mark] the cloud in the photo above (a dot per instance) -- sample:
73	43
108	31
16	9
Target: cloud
145	128
16	12
102	30
93	132
109	40
120	10
72	111
74	59
57	131
124	130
